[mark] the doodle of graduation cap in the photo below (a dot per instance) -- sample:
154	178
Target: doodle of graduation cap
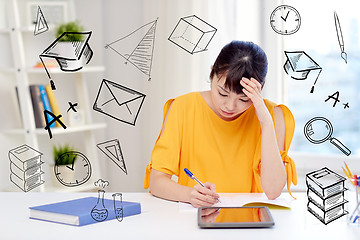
299	64
70	57
118	102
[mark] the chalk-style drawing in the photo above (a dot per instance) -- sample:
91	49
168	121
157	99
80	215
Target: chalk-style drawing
340	37
53	119
112	149
101	183
299	64
72	106
118	208
335	96
70	57
40	24
285	20
326	195
75	174
99	212
319	130
25	167
137	47
192	34
118	102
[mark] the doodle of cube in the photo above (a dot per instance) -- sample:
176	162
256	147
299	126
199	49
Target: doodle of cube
192	34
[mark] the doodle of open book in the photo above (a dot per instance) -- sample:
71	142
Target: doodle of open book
118	102
112	149
137	47
70	57
298	65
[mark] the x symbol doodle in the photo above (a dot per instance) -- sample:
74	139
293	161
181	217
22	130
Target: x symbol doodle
72	106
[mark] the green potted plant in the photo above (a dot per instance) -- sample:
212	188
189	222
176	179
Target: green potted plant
67	45
62	160
73	26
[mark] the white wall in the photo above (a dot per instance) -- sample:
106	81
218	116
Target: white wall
174	71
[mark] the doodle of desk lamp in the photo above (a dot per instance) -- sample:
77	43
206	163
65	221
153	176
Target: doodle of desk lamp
69	55
99	212
299	64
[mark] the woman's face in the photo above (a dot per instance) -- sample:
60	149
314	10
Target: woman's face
227	105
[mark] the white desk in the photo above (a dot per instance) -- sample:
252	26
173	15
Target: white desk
160	219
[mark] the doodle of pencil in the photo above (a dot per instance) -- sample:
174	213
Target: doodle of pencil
340	37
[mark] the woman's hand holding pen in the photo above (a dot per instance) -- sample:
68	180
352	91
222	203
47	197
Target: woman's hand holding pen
252	89
203	196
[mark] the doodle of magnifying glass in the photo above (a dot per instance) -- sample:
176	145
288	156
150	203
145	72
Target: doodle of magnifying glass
319	129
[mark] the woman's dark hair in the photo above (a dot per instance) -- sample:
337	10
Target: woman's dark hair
240	59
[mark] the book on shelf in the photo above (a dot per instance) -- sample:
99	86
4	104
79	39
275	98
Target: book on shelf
46	103
53	103
79	212
38	106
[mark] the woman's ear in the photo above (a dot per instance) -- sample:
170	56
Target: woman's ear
211	67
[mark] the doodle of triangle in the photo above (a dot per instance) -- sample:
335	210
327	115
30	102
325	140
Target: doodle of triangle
112	150
137	47
41	25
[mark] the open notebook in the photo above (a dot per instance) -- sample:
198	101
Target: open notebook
244	199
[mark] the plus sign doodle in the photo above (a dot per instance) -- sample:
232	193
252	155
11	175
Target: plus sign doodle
335	97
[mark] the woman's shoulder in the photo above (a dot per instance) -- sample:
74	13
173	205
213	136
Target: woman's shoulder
280	111
272	105
188	97
182	102
185	100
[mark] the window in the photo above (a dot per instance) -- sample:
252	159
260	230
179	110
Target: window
336	92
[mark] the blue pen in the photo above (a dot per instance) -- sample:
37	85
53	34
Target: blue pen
187	171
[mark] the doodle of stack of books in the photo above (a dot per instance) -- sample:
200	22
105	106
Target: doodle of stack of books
25	167
326	195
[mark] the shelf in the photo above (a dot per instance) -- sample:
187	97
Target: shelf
4	30
59	130
56	70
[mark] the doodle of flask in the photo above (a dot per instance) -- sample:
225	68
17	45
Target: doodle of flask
118	206
99	212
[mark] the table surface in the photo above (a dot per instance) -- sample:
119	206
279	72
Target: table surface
160	219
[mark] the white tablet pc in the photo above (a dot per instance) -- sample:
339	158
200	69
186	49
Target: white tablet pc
234	217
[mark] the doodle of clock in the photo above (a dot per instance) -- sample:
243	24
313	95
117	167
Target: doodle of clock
285	20
75	174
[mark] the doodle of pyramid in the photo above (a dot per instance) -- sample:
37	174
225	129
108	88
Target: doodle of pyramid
112	149
41	25
137	47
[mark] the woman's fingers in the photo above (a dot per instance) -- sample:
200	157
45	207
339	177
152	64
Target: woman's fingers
204	196
251	85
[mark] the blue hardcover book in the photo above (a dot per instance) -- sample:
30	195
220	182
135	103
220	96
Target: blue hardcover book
84	211
46	103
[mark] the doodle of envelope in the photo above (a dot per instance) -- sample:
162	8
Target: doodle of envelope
70	56
118	102
299	64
